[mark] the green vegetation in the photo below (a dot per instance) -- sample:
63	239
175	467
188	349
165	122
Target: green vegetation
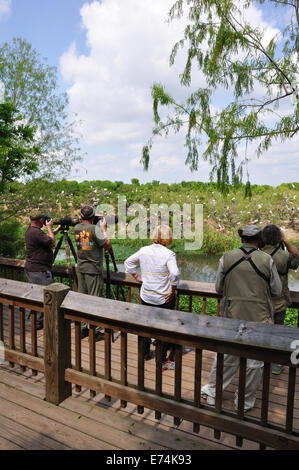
223	214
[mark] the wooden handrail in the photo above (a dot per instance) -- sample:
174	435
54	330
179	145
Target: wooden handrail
191	288
266	343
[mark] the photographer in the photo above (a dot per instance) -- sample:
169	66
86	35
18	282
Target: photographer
274	243
90	240
39	254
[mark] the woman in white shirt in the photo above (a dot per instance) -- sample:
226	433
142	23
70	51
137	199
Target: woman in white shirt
159	276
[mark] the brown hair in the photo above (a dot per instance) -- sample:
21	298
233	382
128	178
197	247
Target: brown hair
162	235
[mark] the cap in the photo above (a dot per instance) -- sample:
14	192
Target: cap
87	212
36	215
250	231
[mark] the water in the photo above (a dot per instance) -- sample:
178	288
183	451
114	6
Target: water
202	268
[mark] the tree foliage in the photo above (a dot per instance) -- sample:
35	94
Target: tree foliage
233	57
18	152
32	87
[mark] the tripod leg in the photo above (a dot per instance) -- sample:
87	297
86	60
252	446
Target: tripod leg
58	246
68	260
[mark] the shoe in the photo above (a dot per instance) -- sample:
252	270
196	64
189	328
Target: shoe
150	355
84	332
168	365
210	400
99	336
277	369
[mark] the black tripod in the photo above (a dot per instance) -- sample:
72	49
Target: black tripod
68	247
109	291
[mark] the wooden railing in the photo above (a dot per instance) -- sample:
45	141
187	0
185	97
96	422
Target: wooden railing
14	269
64	310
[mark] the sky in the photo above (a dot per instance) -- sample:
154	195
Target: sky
108	54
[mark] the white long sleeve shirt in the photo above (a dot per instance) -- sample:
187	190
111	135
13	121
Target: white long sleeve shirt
159	271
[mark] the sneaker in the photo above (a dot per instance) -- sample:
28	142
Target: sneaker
150	355
168	365
277	369
210	400
84	332
40	325
99	336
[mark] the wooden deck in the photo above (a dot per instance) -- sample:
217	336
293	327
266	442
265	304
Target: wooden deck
85	422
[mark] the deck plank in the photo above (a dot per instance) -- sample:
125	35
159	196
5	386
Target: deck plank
140	438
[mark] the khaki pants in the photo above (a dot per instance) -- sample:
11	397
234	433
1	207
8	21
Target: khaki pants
254	372
91	284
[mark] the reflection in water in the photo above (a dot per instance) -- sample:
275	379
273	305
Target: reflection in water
203	268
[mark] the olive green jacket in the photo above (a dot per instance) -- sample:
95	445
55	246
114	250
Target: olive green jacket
283	261
246	295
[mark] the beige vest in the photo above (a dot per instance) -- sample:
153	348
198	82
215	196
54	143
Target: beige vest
246	295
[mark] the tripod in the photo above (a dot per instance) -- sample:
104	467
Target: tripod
108	281
68	246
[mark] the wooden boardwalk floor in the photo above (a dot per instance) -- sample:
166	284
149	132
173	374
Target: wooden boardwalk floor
84	422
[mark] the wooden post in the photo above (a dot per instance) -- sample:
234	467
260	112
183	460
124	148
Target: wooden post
57	344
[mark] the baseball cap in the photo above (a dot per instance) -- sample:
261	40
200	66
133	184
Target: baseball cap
87	212
250	231
36	215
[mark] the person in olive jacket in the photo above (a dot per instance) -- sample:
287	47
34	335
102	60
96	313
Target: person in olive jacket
285	257
247	279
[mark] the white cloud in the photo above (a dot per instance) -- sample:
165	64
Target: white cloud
5	8
109	88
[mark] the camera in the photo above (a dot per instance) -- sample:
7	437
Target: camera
47	218
66	222
109	219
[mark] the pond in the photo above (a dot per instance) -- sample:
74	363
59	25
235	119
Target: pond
202	268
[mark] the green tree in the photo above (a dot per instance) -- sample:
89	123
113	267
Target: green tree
18	152
32	87
233	57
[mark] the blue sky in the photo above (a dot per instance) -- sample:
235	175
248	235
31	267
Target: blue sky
108	54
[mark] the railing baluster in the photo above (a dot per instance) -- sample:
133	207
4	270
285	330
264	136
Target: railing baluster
178	379
158	374
1	323
11	330
265	398
291	399
241	395
197	384
129	294
177	301
33	337
107	359
22	334
190	303
219	389
218	307
204	306
140	409
78	351
92	355
124	362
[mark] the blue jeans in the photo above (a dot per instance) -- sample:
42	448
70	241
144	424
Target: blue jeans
43	278
165	346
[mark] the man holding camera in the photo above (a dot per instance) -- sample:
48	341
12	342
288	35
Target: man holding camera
90	240
39	254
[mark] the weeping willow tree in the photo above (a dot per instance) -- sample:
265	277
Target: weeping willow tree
259	76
